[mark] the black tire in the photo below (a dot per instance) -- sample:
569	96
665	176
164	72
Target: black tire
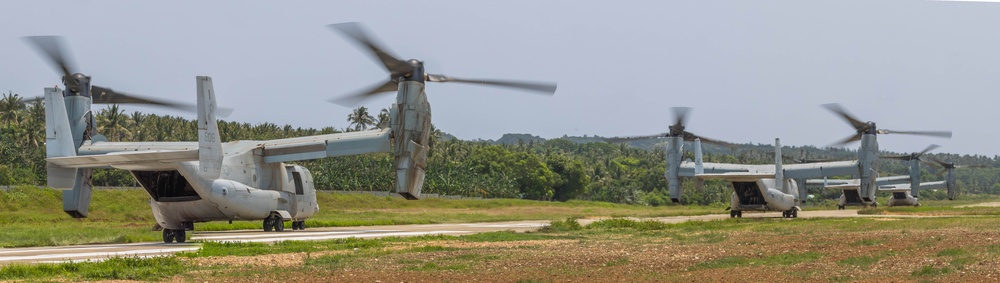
168	235
795	213
180	236
279	225
267	225
739	214
732	214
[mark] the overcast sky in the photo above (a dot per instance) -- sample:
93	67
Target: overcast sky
752	70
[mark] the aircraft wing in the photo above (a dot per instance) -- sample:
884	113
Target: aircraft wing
314	147
880	181
734	176
687	168
821	169
151	158
97	148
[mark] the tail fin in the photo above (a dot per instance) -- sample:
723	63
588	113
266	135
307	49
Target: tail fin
209	141
779	173
675	151
58	140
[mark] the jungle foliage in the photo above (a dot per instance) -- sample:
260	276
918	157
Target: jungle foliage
515	166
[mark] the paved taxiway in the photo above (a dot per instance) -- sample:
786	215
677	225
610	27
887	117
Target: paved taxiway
99	252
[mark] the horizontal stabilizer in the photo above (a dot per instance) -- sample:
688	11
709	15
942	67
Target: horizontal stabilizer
125	158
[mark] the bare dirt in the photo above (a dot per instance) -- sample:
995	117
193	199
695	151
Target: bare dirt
880	255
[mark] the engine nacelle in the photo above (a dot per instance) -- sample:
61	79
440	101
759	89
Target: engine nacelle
240	201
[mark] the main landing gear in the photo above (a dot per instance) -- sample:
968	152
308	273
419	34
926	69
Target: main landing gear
735	213
274	222
794	213
299	225
170	235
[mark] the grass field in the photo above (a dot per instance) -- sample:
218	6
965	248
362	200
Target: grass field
827	250
34	216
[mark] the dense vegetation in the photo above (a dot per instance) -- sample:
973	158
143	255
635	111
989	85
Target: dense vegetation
516	166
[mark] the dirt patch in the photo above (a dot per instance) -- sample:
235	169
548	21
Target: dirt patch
792	254
985	204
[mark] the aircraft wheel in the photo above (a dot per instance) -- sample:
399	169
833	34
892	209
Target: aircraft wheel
278	224
180	236
168	235
739	214
795	213
268	226
302	225
732	214
784	214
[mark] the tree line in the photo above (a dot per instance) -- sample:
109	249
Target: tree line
531	168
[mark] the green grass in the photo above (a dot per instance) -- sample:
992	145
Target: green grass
35	215
929	270
118	268
953	252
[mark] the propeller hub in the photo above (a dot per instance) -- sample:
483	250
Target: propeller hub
416	74
77	84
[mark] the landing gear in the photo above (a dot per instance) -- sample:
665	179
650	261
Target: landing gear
793	213
840	207
299	225
170	235
274	222
735	213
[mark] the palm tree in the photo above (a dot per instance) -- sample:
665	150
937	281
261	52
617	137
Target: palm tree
10	108
114	123
360	119
383	118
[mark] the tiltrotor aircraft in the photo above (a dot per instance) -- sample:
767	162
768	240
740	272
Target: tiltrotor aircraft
209	180
774	187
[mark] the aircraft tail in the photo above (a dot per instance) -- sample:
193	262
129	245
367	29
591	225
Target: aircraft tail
58	140
779	172
675	152
60	135
209	141
699	165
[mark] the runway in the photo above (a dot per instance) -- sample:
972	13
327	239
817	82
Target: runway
101	252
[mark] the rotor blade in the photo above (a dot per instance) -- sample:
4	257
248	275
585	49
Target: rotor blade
896	157
857	124
547	88
941	134
680	115
852	138
633	138
52	49
689	136
974	166
355	99
357	33
942	163
929	148
104	95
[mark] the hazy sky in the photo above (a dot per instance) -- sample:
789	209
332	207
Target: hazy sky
752	70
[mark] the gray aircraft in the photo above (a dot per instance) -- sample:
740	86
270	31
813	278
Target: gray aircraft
209	180
775	187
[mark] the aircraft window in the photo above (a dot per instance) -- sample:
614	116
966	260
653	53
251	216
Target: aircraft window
298	183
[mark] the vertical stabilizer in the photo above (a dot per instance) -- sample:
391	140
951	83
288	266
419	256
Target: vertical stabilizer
209	142
950	184
58	140
699	166
675	150
779	173
915	177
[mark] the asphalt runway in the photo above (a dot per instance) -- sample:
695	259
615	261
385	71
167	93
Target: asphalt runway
100	252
